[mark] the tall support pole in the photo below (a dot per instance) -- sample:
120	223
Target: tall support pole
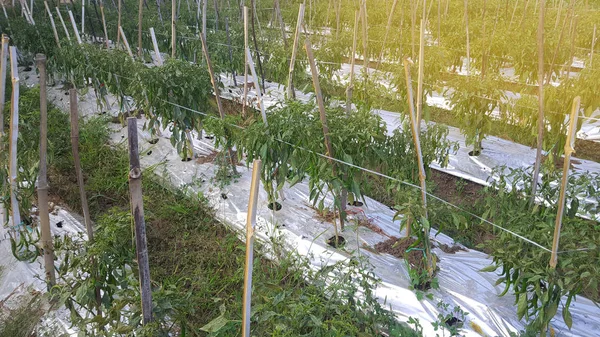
216	91
592	48
416	139
119	21
365	28
125	42
82	17
63	24
56	38
256	87
350	88
290	87
14	134
42	190
233	75
3	65
159	60
540	122
173	31
204	12
323	116
387	31
75	27
104	24
468	39
250	226
569	150
280	20
140	16
245	97
421	73
77	162
137	212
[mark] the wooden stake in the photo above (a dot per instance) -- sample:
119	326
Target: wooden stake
173	32
281	25
63	24
245	97
291	94
125	42
3	65
416	135
250	226
569	150
42	190
468	44
14	134
592	49
82	17
421	73
540	123
56	38
365	38
77	162
159	59
256	86
387	30
323	116
119	22
204	11
350	88
140	15
233	75
75	27
137	212
104	25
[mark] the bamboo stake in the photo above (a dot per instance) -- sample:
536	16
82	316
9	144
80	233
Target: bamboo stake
387	30
216	16
63	24
4	10
137	212
468	44
245	97
75	27
42	190
125	41
439	23
77	162
350	88
56	38
569	150
558	45
250	225
540	123
216	90
413	22
291	94
592	49
104	24
421	72
3	65
173	32
416	135
321	104
204	11
571	49
233	75
415	129
256	86
281	25
14	134
159	59
82	17
365	38
140	16
119	22
560	4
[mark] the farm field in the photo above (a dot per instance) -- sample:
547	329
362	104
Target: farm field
300	168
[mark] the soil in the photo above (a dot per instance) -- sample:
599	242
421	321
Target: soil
560	163
208	158
451	249
587	149
455	190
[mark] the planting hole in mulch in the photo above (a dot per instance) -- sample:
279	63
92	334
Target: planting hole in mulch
453	321
208	158
451	249
277	206
223	196
149	153
402	249
340	242
209	137
186	159
355	203
153	141
474	153
59	224
28	68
